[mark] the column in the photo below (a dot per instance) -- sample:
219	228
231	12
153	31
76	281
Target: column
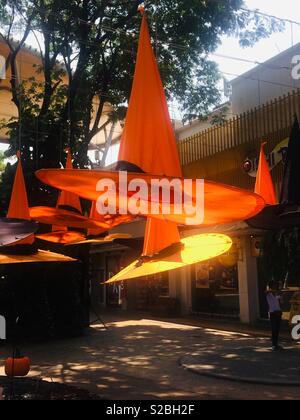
181	288
248	284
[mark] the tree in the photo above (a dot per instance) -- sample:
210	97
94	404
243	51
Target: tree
88	49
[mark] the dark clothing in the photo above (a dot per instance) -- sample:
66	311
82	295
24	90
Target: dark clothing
276	318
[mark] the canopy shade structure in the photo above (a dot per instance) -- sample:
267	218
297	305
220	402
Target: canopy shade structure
18	206
14	231
39	257
287	213
194	249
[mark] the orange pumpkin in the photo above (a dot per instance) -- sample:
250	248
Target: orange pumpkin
17	366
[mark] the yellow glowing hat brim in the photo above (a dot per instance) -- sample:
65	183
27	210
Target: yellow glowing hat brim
197	249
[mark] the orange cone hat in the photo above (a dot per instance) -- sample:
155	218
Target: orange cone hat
18	207
148	140
264	183
149	143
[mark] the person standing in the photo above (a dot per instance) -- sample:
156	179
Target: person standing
275	311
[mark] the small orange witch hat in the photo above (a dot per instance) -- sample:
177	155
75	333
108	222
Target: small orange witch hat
264	183
18	207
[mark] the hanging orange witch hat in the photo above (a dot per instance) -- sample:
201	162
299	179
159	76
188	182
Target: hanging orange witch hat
148	120
18	207
148	145
264	183
17	229
67	214
148	140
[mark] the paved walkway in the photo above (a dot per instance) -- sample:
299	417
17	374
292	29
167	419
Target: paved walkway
140	359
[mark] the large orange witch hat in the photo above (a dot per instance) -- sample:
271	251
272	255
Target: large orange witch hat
17	229
148	146
148	120
18	207
148	140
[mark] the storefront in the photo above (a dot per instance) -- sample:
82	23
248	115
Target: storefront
215	289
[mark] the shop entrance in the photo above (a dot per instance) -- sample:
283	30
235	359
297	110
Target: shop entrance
215	289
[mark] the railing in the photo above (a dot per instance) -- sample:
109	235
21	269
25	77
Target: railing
271	121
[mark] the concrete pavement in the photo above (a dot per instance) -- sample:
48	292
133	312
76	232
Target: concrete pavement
139	358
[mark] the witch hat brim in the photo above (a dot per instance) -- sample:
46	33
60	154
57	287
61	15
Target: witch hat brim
194	249
286	214
65	218
13	231
219	200
281	216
